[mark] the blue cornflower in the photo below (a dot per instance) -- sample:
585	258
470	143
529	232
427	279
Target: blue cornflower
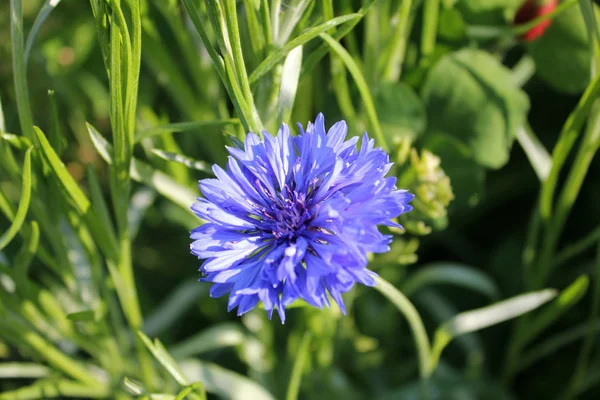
294	218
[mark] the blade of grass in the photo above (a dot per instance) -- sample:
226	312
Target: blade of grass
187	161
363	88
44	13
183	127
535	151
301	357
17	222
306	36
216	337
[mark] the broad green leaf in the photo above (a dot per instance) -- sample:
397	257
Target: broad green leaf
471	321
216	337
17	222
401	112
470	96
185	160
567	299
223	382
147	175
490	12
447	273
562	54
311	33
466	177
164	358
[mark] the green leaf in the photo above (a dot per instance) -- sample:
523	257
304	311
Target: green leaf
197	387
566	300
11	370
216	337
538	156
164	358
26	254
17	222
306	36
487	12
185	160
302	355
562	54
183	127
173	307
362	86
82	316
44	13
144	173
401	112
474	320
141	200
470	96
466	177
447	273
223	382
18	142
290	76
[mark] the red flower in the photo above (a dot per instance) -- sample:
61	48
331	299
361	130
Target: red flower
530	10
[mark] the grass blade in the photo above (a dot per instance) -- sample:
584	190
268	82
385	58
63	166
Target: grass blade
474	320
302	355
161	355
183	127
451	274
362	85
290	76
185	160
17	222
216	337
311	33
538	156
44	13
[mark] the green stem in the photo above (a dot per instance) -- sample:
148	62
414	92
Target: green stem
414	321
431	10
397	48
19	70
47	389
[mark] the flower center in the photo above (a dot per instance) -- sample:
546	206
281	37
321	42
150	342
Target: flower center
291	216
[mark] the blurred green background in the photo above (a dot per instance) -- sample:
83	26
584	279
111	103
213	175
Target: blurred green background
464	97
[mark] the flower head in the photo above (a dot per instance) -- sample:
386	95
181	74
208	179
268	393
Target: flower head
294	218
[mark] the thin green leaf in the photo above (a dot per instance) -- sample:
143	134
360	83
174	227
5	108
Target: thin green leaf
290	76
185	160
567	299
301	357
133	387
414	320
446	273
362	86
194	387
216	337
26	254
82	316
56	388
17	222
183	127
18	142
474	320
556	343
538	156
19	68
23	370
223	382
161	355
311	33
141	200
44	13
171	309
144	173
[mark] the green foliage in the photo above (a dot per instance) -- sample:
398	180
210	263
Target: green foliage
111	110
